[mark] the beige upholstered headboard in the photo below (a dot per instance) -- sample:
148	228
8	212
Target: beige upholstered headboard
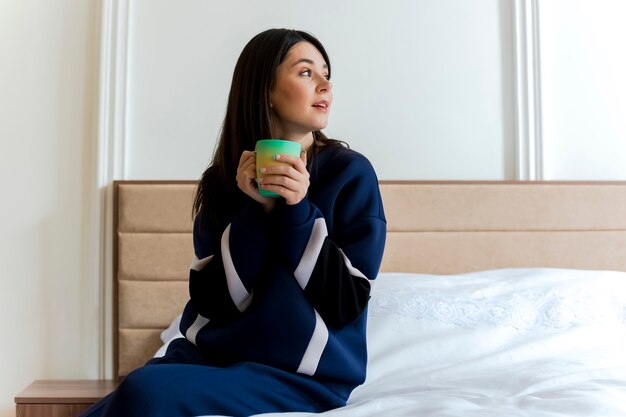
433	227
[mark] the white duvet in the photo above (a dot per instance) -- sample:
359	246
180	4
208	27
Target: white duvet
513	342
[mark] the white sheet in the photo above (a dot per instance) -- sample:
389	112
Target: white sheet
514	342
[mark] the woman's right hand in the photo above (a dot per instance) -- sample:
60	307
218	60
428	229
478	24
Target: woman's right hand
246	180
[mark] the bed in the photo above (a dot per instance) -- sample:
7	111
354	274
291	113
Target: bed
493	299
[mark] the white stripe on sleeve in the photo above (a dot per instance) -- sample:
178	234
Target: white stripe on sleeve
353	271
237	290
317	344
199	264
193	330
311	252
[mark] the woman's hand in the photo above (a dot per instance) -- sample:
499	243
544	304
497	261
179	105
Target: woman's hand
246	180
290	180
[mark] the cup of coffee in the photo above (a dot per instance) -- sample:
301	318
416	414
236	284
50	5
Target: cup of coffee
266	151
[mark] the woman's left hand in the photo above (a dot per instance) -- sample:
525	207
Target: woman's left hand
289	180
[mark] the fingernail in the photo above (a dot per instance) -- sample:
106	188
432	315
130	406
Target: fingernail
277	156
262	170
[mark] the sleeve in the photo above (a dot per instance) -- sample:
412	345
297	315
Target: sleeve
335	272
226	267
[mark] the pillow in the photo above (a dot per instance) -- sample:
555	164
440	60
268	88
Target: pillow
498	329
172	331
169	334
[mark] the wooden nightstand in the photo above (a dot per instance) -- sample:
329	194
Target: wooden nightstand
60	398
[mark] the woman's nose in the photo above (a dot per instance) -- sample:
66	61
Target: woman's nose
325	85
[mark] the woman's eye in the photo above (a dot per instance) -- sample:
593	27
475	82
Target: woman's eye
309	73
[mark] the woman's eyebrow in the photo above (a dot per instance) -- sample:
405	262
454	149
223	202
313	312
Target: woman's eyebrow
307	61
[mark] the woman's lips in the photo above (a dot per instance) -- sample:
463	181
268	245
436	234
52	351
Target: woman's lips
322	104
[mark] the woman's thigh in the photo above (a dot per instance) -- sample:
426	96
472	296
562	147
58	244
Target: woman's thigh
177	390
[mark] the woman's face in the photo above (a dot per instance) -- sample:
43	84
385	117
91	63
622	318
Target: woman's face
301	97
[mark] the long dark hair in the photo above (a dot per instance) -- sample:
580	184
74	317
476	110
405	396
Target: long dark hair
247	120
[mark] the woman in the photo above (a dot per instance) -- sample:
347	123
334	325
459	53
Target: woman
278	286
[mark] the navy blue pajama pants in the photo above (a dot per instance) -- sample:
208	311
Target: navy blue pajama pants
181	385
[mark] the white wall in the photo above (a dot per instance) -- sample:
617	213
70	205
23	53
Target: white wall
584	88
48	289
425	89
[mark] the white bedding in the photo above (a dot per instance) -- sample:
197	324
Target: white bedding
512	342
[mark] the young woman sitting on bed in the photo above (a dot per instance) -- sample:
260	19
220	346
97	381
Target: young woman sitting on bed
278	286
